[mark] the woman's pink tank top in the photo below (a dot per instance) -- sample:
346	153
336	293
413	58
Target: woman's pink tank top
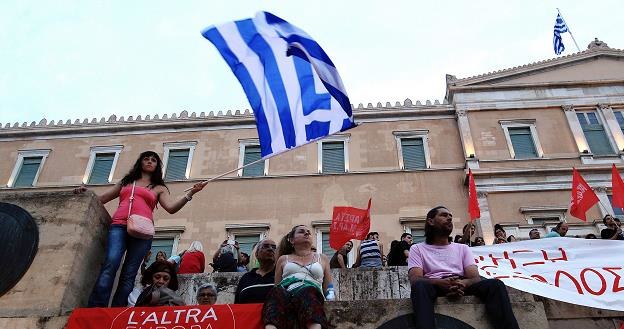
144	203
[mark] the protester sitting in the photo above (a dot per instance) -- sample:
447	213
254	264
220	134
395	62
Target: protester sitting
613	231
243	262
340	258
223	260
207	295
468	234
400	251
558	231
591	236
439	268
193	259
479	241
255	285
499	234
369	254
301	277
138	191
511	238
161	282
534	234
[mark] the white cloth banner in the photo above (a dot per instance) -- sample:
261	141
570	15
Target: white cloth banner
578	271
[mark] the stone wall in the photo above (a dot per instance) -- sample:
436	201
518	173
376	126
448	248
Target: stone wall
72	232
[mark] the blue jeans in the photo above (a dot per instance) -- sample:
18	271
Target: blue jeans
119	242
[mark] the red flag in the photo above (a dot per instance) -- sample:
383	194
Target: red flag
349	223
617	186
583	197
473	203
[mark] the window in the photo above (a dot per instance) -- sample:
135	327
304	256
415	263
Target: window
620	119
521	137
414	226
332	156
413	149
178	158
594	133
166	239
617	211
250	152
101	165
161	244
325	248
27	168
247	235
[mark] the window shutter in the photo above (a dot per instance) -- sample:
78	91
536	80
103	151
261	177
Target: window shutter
247	242
327	249
333	157
413	153
28	171
522	142
252	153
176	164
102	165
597	139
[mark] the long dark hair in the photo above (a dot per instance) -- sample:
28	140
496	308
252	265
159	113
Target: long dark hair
429	231
156	178
160	266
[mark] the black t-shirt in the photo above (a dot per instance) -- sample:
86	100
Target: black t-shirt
396	257
253	287
607	233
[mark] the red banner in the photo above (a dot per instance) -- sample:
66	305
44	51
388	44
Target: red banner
473	203
349	223
227	316
583	197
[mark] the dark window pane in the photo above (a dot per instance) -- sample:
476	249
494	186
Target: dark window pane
161	244
28	171
333	157
247	242
522	142
327	249
101	168
413	153
176	164
252	153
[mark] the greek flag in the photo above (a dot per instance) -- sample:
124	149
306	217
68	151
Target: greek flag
560	27
292	86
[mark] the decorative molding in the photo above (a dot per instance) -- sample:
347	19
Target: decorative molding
317	223
601	189
604	106
567	108
482	194
461	113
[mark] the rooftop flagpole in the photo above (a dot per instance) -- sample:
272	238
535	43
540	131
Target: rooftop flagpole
576	44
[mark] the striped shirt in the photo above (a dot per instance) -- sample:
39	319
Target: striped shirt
370	255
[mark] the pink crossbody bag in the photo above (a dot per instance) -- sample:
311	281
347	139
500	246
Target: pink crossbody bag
139	226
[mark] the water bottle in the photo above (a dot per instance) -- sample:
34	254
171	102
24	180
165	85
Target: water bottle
330	292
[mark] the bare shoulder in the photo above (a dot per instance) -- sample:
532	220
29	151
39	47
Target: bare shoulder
160	189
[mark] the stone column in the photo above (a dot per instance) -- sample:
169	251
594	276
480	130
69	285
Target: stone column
604	205
484	224
466	137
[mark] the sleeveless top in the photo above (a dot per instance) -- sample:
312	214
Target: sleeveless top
144	203
333	263
295	276
370	255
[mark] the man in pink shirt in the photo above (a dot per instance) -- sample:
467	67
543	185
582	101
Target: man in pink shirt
438	267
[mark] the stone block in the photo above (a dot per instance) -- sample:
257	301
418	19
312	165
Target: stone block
72	235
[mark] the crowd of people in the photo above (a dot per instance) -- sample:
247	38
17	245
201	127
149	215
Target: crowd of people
291	279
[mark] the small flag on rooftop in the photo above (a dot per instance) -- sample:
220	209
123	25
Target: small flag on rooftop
294	89
560	27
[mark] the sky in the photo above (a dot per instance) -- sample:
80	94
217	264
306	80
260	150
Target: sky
64	59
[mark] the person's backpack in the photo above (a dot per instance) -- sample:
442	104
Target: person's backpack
395	253
225	263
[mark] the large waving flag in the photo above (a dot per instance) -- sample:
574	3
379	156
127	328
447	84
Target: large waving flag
560	27
292	86
583	197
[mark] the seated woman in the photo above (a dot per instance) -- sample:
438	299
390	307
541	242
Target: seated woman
193	260
161	282
340	258
301	277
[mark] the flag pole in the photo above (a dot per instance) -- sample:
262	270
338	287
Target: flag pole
262	159
576	44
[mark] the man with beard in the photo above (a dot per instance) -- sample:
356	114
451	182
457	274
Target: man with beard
438	267
254	286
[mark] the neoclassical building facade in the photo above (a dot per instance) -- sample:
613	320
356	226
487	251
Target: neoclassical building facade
520	130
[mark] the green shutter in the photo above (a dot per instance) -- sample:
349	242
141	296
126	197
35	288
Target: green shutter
327	249
102	165
28	171
597	139
333	157
413	153
252	153
247	242
522	142
176	164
